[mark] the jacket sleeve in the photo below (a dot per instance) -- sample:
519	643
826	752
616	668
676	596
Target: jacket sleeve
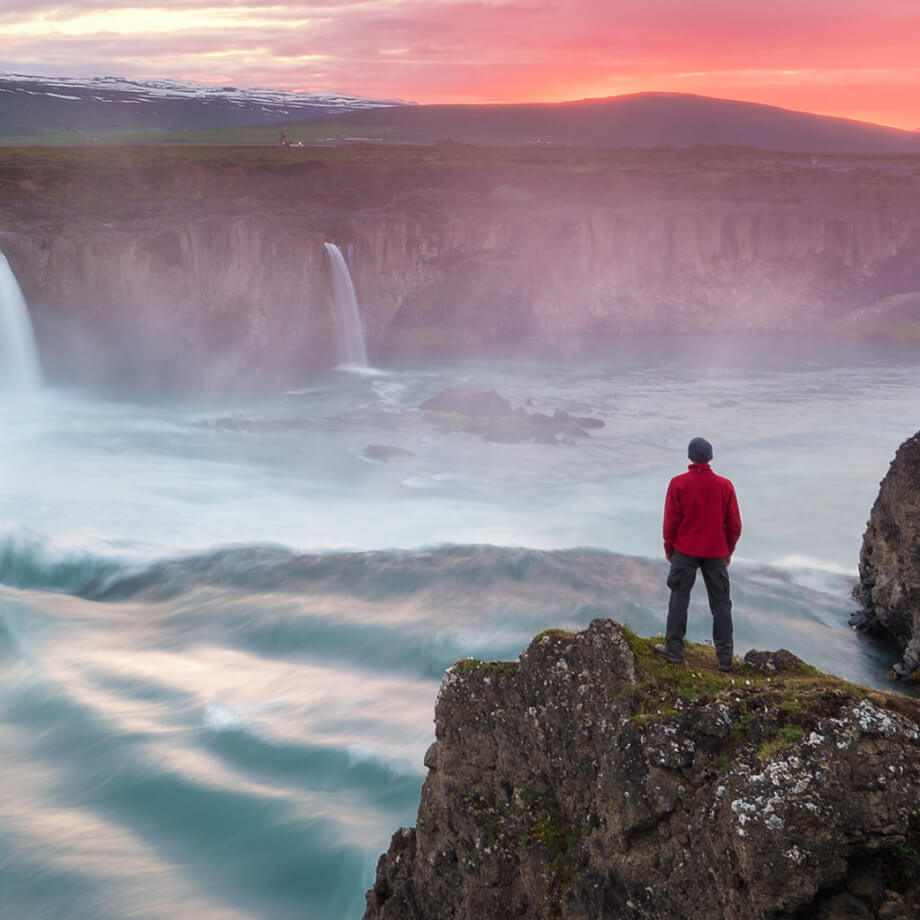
672	517
732	522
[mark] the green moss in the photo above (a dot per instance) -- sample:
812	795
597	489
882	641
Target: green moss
641	718
553	634
467	665
559	838
530	796
904	871
500	668
769	711
788	735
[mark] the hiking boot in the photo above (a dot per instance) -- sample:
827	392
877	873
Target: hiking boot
663	652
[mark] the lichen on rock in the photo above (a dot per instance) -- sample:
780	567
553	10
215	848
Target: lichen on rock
592	780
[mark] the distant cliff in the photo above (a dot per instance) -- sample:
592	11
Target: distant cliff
592	780
889	564
207	265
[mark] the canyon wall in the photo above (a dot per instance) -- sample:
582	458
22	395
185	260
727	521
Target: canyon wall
208	269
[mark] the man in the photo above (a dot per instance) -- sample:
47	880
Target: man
701	527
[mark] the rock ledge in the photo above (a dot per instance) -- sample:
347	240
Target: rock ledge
592	780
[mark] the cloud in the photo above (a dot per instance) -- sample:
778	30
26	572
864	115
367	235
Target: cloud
490	50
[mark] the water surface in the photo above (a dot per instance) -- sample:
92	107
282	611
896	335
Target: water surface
222	627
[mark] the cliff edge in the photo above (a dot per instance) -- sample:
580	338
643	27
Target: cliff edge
206	269
889	563
591	779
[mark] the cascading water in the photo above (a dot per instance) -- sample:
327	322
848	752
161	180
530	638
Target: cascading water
349	331
19	366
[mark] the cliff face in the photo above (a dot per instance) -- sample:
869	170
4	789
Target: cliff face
173	264
593	780
889	564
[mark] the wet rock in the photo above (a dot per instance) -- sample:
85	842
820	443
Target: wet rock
386	453
587	421
582	783
575	426
889	563
468	402
486	413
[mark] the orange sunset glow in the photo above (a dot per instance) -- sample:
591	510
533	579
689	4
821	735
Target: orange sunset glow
843	58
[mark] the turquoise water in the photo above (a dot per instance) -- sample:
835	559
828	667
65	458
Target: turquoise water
222	629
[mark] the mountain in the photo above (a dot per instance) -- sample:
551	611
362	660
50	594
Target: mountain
640	120
68	109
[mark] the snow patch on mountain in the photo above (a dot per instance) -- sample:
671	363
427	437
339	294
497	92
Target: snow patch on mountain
119	89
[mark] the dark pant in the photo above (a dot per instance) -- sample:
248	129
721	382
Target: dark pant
680	581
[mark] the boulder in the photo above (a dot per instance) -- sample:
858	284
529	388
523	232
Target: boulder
780	660
468	402
385	453
489	414
889	563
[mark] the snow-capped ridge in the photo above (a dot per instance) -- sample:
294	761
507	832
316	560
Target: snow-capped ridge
116	89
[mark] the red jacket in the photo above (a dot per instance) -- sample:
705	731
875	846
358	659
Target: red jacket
701	516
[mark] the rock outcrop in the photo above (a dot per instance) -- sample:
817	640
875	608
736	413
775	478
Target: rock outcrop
592	780
208	266
889	564
489	414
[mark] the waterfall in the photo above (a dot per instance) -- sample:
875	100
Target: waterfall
349	332
19	366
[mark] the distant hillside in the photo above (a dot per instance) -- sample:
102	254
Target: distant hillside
74	109
642	120
46	110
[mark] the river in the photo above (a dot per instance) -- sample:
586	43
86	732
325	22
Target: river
223	627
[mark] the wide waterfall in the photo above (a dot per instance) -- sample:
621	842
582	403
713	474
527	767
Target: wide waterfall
19	366
347	316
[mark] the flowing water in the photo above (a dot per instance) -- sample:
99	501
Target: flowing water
222	627
19	367
349	329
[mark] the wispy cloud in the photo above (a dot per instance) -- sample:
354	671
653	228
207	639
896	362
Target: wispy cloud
842	57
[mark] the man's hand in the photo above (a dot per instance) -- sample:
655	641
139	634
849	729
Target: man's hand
668	556
728	561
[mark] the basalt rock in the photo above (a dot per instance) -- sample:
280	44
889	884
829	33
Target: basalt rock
386	453
468	402
889	564
780	660
487	413
207	268
592	780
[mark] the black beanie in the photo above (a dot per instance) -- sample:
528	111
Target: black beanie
700	450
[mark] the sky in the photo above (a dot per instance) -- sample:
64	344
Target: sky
849	58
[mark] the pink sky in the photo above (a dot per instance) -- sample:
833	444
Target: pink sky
838	57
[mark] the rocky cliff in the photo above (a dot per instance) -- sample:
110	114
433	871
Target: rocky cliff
209	264
593	780
889	564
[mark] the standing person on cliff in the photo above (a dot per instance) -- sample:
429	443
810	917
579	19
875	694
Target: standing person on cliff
701	527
